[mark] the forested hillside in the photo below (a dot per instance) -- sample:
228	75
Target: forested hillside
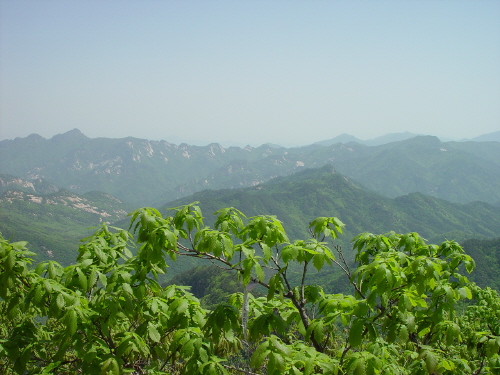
487	256
299	198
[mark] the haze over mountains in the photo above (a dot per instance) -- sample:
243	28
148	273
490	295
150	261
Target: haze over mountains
394	137
144	172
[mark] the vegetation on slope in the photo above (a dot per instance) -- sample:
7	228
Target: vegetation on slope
53	223
487	256
297	199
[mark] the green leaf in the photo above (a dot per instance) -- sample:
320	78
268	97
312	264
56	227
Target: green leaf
430	362
447	365
92	278
11	260
154	335
492	347
259	355
154	306
465	292
110	367
403	334
71	322
81	278
127	288
60	301
266	251
289	252
355	333
357	366
259	271
319	261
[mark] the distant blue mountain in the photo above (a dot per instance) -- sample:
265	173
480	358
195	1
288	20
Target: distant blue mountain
382	140
395	137
490	137
343	138
389	138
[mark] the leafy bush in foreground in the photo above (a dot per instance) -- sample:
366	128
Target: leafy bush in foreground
411	311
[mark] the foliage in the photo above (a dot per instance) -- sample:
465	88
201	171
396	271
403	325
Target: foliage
412	311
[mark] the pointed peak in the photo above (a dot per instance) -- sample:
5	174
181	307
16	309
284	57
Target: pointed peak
69	135
343	138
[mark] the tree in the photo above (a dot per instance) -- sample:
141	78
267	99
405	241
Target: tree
412	310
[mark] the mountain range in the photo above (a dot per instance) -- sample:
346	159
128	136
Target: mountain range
54	191
144	172
299	198
394	137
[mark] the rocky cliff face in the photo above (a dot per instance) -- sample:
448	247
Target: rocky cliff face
36	186
103	206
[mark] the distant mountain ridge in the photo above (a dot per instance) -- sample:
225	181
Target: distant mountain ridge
132	169
490	137
395	137
146	172
382	140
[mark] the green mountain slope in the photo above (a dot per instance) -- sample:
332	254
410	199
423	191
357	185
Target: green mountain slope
53	224
299	198
426	165
486	253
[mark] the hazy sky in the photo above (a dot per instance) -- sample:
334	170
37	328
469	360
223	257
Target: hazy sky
249	72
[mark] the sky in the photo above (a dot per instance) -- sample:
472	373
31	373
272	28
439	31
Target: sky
250	71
